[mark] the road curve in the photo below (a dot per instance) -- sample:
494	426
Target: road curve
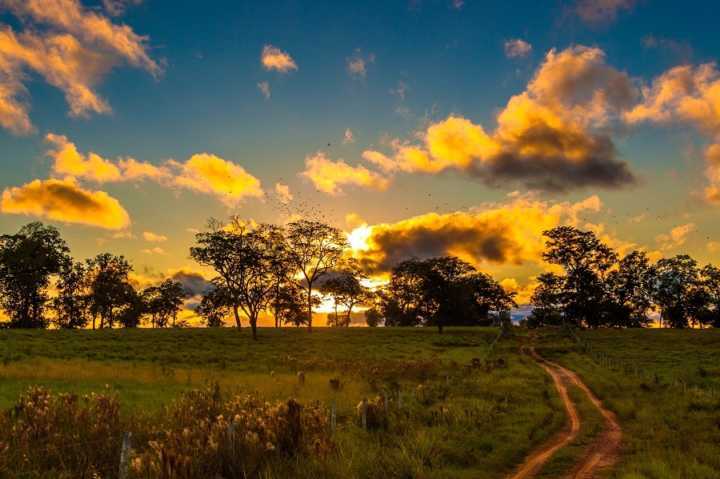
605	448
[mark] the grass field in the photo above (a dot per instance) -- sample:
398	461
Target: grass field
460	404
452	420
664	385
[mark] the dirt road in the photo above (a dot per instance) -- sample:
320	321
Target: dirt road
603	453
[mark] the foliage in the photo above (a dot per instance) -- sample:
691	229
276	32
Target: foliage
28	261
163	302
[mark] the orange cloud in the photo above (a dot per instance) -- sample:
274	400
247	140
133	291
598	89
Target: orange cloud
509	233
283	193
73	56
69	162
331	176
357	64
272	58
676	237
550	137
151	237
65	201
691	95
213	175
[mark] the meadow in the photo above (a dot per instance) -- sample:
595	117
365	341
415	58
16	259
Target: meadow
459	404
664	386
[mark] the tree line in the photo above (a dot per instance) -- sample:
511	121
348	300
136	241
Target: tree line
598	288
282	271
96	292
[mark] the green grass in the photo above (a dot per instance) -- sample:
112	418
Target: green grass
664	385
456	421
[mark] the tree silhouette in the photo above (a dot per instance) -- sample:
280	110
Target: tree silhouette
316	249
346	290
72	303
215	306
28	261
110	289
163	302
675	281
630	287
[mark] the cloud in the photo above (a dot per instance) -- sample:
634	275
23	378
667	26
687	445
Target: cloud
400	91
204	172
688	95
509	233
676	237
458	4
65	201
151	237
73	53
154	251
357	64
117	8
193	282
69	162
264	88
90	27
331	176
348	136
550	137
601	11
213	175
517	48
272	58
283	193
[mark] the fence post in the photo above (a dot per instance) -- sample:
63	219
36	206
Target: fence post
125	456
333	415
364	409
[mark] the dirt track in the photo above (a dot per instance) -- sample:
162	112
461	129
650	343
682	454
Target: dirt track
602	454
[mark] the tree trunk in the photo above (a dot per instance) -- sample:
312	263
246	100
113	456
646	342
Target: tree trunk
237	316
94	318
253	325
309	308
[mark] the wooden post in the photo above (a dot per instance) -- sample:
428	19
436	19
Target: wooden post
123	471
333	416
363	412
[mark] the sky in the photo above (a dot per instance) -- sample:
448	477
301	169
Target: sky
419	127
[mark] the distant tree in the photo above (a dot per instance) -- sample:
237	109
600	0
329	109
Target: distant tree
675	285
243	256
586	261
291	305
164	302
710	285
347	291
130	314
548	301
282	272
373	318
72	303
630	287
215	306
316	249
28	261
110	291
440	292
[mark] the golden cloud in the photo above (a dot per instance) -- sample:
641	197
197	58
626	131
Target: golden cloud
69	162
73	56
213	175
283	193
548	137
676	237
65	201
151	237
331	176
272	58
509	233
691	95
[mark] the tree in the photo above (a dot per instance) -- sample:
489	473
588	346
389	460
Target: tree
243	256
163	302
291	306
282	272
315	250
675	284
28	261
215	306
72	303
347	291
710	285
373	318
630	291
586	261
110	291
547	300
